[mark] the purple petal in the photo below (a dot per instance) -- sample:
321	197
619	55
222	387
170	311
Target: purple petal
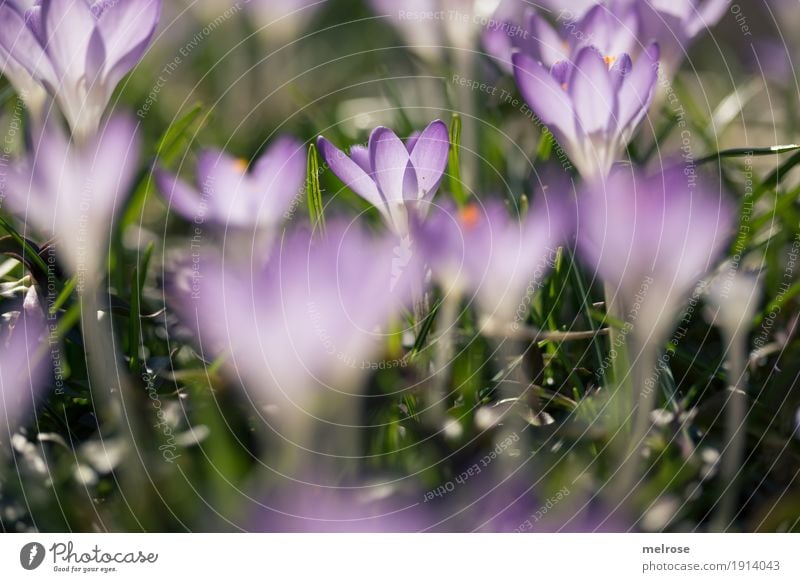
349	172
360	155
280	173
180	196
21	43
411	141
223	182
552	48
410	184
498	44
592	92
543	94
127	29
612	31
114	159
621	69
33	17
429	157
561	72
638	89
26	86
68	29
95	59
636	228
21	370
389	159
707	14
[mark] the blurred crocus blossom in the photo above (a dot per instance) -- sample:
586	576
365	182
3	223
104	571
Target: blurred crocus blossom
429	27
673	24
71	191
308	318
21	364
79	50
231	196
395	177
610	33
492	257
593	104
651	240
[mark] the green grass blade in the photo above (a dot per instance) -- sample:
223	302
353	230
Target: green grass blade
27	250
135	321
316	210
454	162
171	143
748	152
65	294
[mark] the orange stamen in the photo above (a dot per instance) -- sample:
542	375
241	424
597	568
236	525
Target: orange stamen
610	60
470	216
240	165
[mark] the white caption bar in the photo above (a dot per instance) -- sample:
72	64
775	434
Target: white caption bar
388	558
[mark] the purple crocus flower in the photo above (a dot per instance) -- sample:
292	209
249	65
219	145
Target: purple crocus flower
71	191
311	316
610	33
300	332
395	177
229	195
592	104
79	50
494	258
673	24
21	364
651	240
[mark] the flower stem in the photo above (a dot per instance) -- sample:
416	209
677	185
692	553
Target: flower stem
632	446
621	398
112	400
735	431
448	315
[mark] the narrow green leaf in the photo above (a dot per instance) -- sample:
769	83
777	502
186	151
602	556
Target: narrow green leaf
545	147
134	321
316	211
749	152
169	146
68	320
27	250
65	294
454	162
585	301
731	107
425	329
774	179
776	304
